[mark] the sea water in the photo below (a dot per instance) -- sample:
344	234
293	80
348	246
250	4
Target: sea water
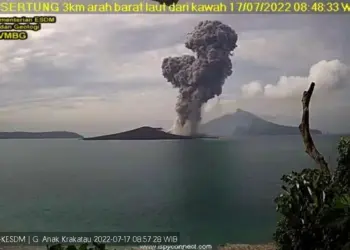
211	191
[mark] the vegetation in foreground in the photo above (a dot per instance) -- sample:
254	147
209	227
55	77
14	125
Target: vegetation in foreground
315	203
315	207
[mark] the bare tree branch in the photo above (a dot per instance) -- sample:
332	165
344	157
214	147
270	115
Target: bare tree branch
304	128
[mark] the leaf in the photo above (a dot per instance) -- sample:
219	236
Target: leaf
56	247
71	247
285	188
323	196
342	202
83	247
99	246
346	246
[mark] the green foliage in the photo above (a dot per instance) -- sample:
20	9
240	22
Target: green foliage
305	198
337	219
315	208
342	174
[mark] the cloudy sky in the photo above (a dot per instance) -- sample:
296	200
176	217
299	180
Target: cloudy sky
97	74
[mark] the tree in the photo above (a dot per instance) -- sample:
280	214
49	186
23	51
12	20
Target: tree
315	203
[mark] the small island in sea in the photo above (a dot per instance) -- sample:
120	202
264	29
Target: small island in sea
40	135
146	133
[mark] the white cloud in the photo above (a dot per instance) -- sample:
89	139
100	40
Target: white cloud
252	89
330	74
327	75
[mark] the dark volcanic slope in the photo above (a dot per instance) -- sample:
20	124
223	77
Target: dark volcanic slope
39	135
144	133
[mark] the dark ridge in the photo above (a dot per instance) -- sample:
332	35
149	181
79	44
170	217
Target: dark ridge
145	133
39	135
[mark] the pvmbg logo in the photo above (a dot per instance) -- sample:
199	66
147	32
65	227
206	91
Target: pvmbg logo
13	35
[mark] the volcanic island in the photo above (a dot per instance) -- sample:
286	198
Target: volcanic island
147	133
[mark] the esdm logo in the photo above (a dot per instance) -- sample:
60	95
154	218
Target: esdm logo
13	35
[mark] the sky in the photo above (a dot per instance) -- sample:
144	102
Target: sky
97	74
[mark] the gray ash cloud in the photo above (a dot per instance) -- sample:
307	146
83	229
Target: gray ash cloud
200	78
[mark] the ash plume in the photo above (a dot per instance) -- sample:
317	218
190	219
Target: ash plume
200	78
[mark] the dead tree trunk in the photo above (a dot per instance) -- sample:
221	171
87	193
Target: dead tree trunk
304	128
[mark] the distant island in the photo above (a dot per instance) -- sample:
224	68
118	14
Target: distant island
39	135
244	123
146	133
240	123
